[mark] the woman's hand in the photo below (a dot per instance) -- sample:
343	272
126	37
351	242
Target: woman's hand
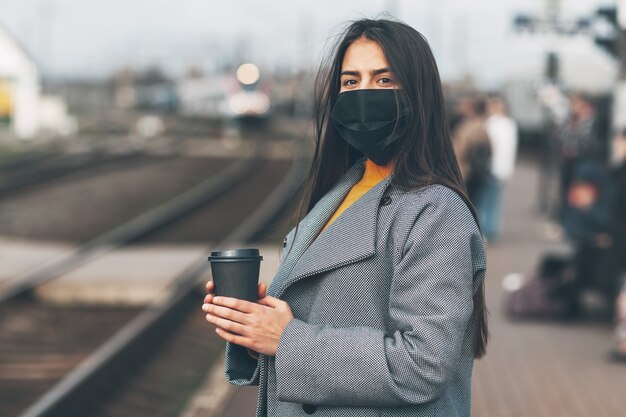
256	326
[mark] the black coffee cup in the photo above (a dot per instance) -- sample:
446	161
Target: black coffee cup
236	273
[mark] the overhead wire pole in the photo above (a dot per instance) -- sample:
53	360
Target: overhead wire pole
552	51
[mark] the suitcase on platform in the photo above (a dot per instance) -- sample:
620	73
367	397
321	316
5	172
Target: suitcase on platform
540	294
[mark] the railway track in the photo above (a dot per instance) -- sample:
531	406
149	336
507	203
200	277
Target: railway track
41	166
40	344
81	206
60	166
20	161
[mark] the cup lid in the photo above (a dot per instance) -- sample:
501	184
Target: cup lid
246	253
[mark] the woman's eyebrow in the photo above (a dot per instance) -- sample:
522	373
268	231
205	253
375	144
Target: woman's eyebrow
380	71
373	72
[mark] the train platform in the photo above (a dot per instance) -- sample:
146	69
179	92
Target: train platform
531	368
128	276
134	275
541	368
19	256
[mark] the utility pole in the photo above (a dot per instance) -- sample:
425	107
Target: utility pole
553	11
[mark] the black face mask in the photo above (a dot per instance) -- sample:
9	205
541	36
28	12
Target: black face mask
366	120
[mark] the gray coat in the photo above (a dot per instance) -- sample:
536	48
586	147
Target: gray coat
382	305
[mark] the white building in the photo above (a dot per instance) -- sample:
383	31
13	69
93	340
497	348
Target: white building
19	88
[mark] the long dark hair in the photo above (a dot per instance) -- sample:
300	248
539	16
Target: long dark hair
424	157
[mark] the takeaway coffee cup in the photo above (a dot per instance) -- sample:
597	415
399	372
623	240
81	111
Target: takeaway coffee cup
236	273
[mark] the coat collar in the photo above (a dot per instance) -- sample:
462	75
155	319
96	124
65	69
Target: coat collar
350	238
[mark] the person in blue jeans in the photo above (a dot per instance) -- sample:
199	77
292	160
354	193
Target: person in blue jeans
503	136
488	205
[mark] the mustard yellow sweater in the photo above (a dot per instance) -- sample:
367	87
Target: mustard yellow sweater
373	175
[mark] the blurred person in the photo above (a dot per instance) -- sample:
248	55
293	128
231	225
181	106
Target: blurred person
577	140
378	304
502	132
463	109
554	102
594	221
588	220
472	148
586	203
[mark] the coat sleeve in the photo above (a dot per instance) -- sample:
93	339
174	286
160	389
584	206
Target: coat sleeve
240	368
240	365
430	307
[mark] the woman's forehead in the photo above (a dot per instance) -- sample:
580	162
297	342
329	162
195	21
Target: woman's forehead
364	55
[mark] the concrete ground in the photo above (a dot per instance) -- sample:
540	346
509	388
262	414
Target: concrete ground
532	369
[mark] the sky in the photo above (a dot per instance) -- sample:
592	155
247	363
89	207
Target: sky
90	38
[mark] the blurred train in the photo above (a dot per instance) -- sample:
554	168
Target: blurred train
243	94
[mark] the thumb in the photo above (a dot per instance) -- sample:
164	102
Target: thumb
262	290
270	301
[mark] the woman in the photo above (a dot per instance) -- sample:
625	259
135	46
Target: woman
377	308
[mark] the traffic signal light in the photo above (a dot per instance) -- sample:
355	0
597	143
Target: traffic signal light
606	30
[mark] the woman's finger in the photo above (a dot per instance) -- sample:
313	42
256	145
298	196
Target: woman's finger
225	312
208	298
233	338
262	290
231	326
236	304
271	301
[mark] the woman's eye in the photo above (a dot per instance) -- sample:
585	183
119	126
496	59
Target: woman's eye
386	80
349	82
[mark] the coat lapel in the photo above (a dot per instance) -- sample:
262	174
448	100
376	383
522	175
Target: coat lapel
350	238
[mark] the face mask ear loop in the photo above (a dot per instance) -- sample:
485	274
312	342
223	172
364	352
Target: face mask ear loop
398	115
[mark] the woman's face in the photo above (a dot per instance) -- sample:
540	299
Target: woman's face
364	66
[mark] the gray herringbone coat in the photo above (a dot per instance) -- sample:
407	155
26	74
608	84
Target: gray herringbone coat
382	305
